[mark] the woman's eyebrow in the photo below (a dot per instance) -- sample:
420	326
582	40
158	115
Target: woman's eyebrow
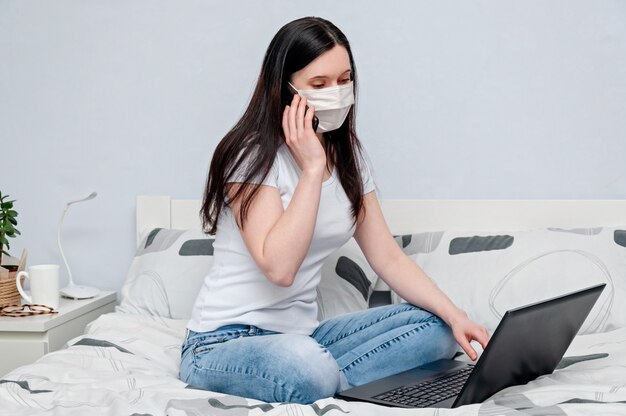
326	76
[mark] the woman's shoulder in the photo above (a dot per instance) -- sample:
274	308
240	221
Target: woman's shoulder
366	169
246	159
282	154
253	150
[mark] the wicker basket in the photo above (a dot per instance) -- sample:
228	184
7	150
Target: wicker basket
8	290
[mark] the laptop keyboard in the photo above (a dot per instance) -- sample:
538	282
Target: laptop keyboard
428	392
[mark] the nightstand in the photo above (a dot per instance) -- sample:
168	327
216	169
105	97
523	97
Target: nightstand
23	340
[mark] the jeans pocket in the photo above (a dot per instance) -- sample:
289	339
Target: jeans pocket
206	346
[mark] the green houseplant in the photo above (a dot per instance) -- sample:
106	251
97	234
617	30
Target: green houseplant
7	224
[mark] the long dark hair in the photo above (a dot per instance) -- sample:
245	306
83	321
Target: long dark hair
294	46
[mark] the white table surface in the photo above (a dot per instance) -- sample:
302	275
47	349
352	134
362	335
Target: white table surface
68	309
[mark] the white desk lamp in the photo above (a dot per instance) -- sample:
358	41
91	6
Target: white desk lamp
75	291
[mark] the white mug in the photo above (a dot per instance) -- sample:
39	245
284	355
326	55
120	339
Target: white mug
44	285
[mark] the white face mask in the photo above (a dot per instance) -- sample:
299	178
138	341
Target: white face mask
331	104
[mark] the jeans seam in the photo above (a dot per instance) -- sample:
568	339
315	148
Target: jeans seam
217	338
385	344
354	331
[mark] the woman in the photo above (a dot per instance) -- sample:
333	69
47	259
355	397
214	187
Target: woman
284	191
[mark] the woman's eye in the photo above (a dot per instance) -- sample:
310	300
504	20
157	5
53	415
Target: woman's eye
343	81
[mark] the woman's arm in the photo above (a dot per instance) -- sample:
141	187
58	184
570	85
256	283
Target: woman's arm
278	239
407	279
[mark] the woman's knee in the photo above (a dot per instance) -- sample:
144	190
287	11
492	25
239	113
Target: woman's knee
273	368
314	374
445	344
301	370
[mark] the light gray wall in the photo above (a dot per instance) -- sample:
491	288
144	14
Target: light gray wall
468	99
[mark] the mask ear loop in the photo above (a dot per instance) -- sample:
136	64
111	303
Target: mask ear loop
294	89
316	121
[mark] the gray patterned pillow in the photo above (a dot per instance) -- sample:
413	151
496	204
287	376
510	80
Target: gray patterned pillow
169	268
487	273
166	273
347	282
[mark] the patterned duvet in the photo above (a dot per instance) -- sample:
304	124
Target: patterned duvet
128	364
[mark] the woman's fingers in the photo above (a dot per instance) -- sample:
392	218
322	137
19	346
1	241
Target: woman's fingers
466	331
300	137
300	116
467	347
293	108
297	118
482	336
286	122
308	119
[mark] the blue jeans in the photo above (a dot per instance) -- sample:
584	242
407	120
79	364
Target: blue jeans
345	351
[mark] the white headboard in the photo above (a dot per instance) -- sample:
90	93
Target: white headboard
406	216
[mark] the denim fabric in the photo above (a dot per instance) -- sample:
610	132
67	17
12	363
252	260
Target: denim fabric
348	350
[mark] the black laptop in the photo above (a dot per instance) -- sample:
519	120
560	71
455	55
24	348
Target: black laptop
528	342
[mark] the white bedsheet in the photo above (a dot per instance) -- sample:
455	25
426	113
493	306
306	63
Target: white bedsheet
128	364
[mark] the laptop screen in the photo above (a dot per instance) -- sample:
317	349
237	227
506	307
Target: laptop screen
528	342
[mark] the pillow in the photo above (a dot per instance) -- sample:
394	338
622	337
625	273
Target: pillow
166	273
411	244
347	282
169	268
488	273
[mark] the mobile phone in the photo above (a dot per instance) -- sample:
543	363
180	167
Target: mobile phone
316	121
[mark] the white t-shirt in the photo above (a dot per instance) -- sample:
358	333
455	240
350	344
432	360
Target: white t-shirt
235	291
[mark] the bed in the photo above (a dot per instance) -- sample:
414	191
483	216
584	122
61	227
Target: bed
508	252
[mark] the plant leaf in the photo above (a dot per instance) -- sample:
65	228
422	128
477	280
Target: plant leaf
13	220
12	213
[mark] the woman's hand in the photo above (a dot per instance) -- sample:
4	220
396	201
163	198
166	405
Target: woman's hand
465	331
301	138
